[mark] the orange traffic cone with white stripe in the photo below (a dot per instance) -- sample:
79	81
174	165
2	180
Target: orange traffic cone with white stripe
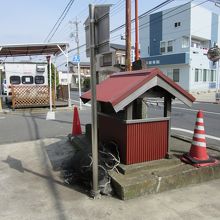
198	156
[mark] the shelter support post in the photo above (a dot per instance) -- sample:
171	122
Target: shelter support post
67	66
129	112
50	114
167	113
139	109
0	81
50	75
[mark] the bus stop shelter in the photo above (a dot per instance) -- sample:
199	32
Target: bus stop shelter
42	49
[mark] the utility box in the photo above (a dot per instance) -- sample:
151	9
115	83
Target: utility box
123	116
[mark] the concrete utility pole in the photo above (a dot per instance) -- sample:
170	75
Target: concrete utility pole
78	62
128	35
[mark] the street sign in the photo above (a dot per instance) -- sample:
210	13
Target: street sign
76	58
102	30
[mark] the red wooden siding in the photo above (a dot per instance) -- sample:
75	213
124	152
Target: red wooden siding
111	129
138	142
146	141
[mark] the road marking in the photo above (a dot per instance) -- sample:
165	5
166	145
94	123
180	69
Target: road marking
2	117
87	104
195	110
191	132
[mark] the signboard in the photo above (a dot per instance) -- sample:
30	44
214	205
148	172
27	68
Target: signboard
102	30
76	58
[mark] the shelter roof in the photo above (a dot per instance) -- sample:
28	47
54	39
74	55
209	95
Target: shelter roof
31	49
120	89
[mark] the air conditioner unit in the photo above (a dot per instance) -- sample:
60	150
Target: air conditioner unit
40	68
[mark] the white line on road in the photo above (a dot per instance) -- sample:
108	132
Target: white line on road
191	132
195	110
87	104
2	117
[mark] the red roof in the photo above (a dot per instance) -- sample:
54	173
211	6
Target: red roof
120	85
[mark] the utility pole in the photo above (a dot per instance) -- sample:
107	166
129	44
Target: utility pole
137	56
128	35
76	23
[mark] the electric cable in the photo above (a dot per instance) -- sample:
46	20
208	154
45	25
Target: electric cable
59	21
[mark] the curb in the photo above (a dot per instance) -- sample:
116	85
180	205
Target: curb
189	140
208	102
37	110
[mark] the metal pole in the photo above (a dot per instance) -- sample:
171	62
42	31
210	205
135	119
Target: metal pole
136	32
95	191
50	84
79	77
0	80
217	78
55	82
78	64
68	84
55	79
128	35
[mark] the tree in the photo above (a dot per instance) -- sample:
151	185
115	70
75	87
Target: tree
53	73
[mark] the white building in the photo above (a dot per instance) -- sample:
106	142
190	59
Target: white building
177	40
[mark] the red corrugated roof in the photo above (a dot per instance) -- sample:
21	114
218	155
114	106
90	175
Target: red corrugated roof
120	85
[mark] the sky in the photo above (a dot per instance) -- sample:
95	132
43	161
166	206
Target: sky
30	21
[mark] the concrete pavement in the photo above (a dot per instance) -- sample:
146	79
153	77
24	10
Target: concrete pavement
32	189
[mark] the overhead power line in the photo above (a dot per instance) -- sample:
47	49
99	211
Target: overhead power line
59	21
140	16
147	23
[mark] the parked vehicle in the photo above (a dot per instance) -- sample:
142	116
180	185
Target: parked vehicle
23	73
4	87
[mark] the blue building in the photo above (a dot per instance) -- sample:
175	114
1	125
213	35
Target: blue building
177	40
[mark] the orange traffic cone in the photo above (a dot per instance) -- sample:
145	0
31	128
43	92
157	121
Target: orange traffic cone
198	154
76	127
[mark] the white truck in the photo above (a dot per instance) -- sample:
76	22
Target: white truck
23	73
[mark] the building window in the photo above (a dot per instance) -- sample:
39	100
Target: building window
195	44
15	80
162	47
39	79
170	74
213	76
185	42
27	79
170	46
105	60
157	61
198	76
177	24
176	75
204	77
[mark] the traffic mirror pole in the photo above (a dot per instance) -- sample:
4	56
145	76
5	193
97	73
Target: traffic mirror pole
95	193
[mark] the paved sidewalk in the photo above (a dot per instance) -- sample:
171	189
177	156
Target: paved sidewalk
205	97
32	189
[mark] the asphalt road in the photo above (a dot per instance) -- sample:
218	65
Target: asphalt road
18	126
183	119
